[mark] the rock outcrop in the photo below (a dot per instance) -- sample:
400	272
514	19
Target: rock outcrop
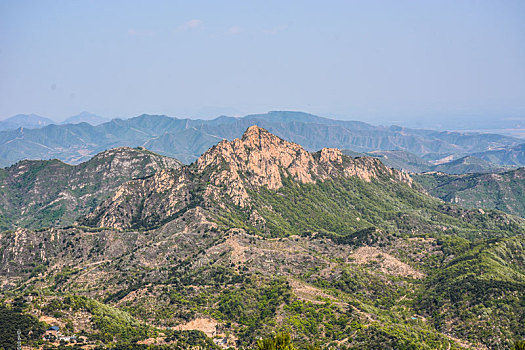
226	173
260	158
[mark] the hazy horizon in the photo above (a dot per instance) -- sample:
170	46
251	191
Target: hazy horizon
512	126
401	63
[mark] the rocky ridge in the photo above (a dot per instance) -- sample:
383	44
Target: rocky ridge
227	172
36	193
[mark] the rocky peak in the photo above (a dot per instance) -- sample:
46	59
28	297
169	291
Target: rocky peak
256	136
34	189
129	162
331	155
227	173
133	153
260	158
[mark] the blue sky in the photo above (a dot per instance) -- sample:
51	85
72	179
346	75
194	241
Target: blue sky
365	60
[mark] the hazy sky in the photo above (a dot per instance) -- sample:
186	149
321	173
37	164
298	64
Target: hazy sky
366	60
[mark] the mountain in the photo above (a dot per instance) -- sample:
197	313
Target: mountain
467	164
85	117
259	235
30	121
74	143
514	156
401	160
503	191
409	162
236	174
41	193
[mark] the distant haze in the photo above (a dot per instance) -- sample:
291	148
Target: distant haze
423	64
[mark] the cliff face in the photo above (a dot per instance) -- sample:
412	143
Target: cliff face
262	157
226	173
257	159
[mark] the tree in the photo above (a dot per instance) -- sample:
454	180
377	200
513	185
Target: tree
281	341
519	345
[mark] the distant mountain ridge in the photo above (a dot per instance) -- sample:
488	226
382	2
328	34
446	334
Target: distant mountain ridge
187	139
85	117
34	121
409	162
503	191
30	121
506	156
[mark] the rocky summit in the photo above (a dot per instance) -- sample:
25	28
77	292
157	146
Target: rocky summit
258	236
227	173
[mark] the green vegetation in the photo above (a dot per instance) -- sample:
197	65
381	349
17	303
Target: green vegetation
519	345
111	324
342	263
344	207
506	155
50	193
281	341
412	163
12	319
480	293
503	191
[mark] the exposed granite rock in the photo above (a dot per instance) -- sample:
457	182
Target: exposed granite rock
227	172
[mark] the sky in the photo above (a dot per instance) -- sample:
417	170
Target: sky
376	61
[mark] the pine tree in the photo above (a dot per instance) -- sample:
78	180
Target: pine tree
519	345
281	341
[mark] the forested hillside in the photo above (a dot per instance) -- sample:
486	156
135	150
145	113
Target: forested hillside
259	236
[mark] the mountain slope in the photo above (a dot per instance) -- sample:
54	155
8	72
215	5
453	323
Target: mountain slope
44	193
505	156
502	191
233	178
185	145
467	164
480	275
406	161
401	160
260	235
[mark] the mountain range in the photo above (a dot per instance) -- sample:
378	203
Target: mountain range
514	156
187	139
30	121
409	162
85	117
259	235
33	121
